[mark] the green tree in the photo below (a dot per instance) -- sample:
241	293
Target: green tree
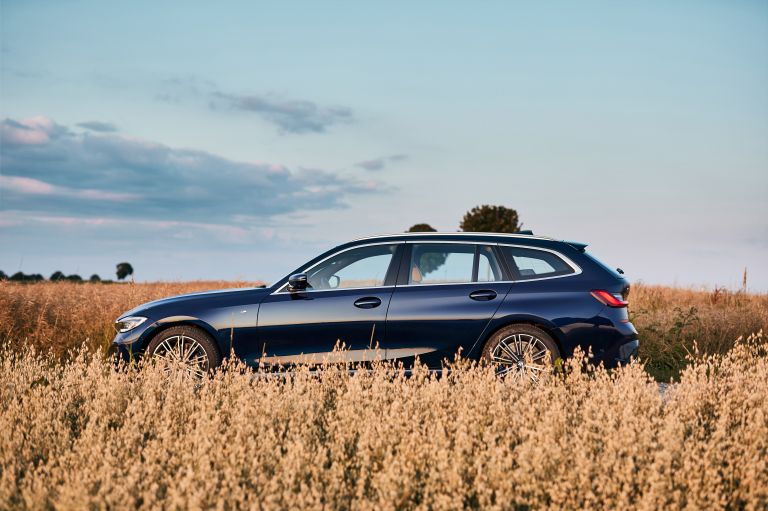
491	219
3	276
56	276
123	270
427	261
74	278
94	278
422	228
23	277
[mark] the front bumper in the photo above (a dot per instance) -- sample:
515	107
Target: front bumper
128	345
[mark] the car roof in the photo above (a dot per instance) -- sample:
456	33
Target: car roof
523	238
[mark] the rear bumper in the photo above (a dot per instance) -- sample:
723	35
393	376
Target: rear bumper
627	351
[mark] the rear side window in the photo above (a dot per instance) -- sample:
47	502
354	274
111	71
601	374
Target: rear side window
530	263
453	263
488	269
433	263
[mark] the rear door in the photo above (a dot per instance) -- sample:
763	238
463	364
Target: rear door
445	297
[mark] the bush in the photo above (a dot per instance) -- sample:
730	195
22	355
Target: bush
422	228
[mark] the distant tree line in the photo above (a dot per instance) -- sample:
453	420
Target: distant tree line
123	271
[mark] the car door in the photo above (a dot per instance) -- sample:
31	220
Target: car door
346	302
446	295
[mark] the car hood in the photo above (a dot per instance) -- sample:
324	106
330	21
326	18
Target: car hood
253	294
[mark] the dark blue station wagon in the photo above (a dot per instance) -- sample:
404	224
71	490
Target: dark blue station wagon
514	300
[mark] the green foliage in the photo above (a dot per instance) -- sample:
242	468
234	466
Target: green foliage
431	261
123	270
74	278
422	228
3	276
56	276
666	346
491	219
23	277
94	278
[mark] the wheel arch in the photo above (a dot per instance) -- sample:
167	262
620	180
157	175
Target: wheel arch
173	321
548	327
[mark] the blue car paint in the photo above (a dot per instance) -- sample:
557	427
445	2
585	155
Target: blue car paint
435	320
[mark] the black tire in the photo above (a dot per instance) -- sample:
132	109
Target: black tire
170	338
505	347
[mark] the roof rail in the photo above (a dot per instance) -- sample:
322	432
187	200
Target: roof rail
523	234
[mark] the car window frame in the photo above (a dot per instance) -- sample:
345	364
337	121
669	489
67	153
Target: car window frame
405	263
389	276
512	267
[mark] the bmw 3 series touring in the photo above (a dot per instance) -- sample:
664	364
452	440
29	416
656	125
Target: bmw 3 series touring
516	301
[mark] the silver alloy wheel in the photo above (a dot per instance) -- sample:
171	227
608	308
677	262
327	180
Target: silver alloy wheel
521	355
182	353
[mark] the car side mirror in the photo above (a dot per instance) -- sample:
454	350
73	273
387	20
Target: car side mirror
298	282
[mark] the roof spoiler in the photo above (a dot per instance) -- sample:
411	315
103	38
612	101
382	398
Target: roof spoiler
577	245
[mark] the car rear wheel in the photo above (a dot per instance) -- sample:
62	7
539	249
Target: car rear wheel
521	352
185	349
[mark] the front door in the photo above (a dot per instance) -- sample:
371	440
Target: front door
345	306
446	295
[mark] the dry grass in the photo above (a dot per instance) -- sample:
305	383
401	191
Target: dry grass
82	435
673	322
60	316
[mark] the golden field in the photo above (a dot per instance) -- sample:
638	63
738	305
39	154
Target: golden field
60	316
81	434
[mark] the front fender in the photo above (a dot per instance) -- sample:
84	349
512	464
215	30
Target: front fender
138	342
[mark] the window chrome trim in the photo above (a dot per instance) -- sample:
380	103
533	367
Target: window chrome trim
281	289
460	283
449	242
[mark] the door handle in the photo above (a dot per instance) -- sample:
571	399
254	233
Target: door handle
483	296
369	302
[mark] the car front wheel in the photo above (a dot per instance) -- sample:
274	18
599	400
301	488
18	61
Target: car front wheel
185	349
521	351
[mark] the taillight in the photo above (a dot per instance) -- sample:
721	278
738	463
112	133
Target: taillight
610	299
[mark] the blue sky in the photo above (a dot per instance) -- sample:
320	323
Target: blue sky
237	140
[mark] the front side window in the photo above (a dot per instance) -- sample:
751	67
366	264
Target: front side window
359	267
535	264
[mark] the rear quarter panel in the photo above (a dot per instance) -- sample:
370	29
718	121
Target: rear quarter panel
562	306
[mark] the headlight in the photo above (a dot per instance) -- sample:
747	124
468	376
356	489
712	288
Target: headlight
123	325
